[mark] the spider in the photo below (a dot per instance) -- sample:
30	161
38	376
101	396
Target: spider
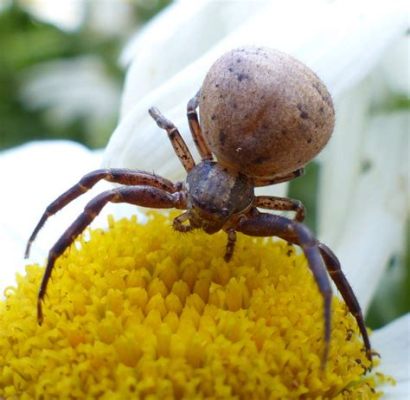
264	115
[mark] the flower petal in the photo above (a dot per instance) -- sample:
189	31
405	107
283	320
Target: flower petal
374	230
341	162
393	343
350	192
396	66
199	25
37	173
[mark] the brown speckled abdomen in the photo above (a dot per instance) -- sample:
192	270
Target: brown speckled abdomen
264	113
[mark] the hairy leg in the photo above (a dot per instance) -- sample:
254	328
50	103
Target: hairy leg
342	284
180	147
115	175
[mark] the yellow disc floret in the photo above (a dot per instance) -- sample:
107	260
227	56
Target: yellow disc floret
142	311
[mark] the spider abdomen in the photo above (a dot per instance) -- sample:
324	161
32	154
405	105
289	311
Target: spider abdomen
263	112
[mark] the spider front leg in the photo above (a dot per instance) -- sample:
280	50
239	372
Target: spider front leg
263	224
144	196
180	147
115	175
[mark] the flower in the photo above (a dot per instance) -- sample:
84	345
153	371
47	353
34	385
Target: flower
344	42
391	341
358	48
385	341
140	310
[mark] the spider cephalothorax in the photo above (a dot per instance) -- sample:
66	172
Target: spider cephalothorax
215	194
264	115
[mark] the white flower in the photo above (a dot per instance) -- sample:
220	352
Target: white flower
54	166
364	187
36	173
357	47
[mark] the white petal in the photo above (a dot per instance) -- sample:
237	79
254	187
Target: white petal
396	66
197	24
343	158
374	226
341	162
34	175
393	343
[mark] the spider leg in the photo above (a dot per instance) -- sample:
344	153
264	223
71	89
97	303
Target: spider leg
195	128
144	196
230	245
264	224
116	175
178	223
180	147
281	203
342	284
257	182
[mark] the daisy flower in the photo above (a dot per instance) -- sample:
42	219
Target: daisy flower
129	313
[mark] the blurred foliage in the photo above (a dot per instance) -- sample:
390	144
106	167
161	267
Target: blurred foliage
25	42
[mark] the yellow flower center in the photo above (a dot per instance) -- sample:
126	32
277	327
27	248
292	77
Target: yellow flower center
142	311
